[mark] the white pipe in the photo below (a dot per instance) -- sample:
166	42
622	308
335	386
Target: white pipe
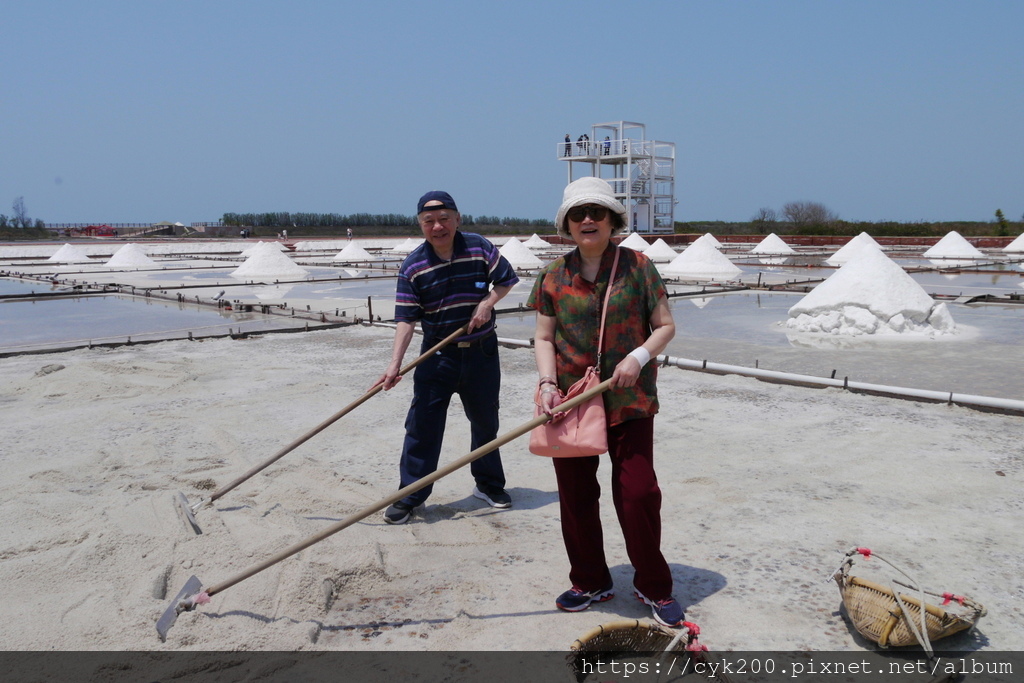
970	400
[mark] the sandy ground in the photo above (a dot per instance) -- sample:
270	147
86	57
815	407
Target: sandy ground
765	488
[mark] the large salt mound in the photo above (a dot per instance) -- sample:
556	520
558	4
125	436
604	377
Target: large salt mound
871	294
853	248
536	242
250	250
353	253
772	245
70	253
266	263
407	246
702	261
130	256
519	255
660	252
708	237
634	242
953	245
1016	245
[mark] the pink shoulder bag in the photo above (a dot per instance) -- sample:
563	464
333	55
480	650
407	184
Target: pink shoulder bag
583	430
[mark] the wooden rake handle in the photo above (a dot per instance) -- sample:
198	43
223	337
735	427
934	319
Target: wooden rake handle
411	488
331	420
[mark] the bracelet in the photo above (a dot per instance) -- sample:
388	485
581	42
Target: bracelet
549	390
546	380
641	355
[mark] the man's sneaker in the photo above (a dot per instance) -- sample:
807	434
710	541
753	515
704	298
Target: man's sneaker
399	513
667	612
577	600
495	496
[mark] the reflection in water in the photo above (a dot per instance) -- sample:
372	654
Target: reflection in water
775	261
272	293
952	264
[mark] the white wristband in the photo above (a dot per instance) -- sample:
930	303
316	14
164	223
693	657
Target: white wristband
641	355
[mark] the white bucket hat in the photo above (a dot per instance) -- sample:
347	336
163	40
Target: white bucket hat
588	190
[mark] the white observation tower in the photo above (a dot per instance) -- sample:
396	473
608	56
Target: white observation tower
642	172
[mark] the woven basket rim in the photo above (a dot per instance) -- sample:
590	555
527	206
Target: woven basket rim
622	625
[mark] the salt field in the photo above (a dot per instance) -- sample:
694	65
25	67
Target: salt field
784	478
271	289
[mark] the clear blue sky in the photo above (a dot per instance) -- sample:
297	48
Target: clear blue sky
182	111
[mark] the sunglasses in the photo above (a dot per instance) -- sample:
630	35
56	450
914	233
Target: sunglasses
577	213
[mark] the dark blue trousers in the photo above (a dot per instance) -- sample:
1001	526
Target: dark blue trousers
475	375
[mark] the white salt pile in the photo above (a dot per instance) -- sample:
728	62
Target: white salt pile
519	255
702	261
130	255
708	237
953	245
536	242
266	263
772	245
70	253
634	242
1016	245
354	253
660	252
407	246
853	248
250	250
870	295
322	245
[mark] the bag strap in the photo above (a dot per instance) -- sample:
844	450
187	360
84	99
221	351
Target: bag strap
604	307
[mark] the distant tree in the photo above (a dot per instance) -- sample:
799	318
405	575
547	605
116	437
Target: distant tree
1004	225
808	214
765	220
3	221
20	218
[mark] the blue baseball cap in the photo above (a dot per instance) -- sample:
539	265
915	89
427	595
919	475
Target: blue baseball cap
436	196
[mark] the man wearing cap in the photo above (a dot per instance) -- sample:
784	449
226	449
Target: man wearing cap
452	279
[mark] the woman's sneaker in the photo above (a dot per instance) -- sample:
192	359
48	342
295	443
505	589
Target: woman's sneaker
667	612
577	600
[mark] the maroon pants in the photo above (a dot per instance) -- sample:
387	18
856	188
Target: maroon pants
637	500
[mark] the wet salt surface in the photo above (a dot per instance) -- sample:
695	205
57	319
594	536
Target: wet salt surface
740	329
59	322
10	287
743	329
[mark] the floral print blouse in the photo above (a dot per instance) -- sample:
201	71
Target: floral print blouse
575	303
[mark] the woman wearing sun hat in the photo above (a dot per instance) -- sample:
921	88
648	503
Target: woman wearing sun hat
568	296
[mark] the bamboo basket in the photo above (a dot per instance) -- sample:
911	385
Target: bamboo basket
894	619
631	635
628	639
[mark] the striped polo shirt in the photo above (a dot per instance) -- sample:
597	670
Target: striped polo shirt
442	295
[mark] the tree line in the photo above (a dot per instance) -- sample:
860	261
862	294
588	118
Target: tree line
814	218
285	219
